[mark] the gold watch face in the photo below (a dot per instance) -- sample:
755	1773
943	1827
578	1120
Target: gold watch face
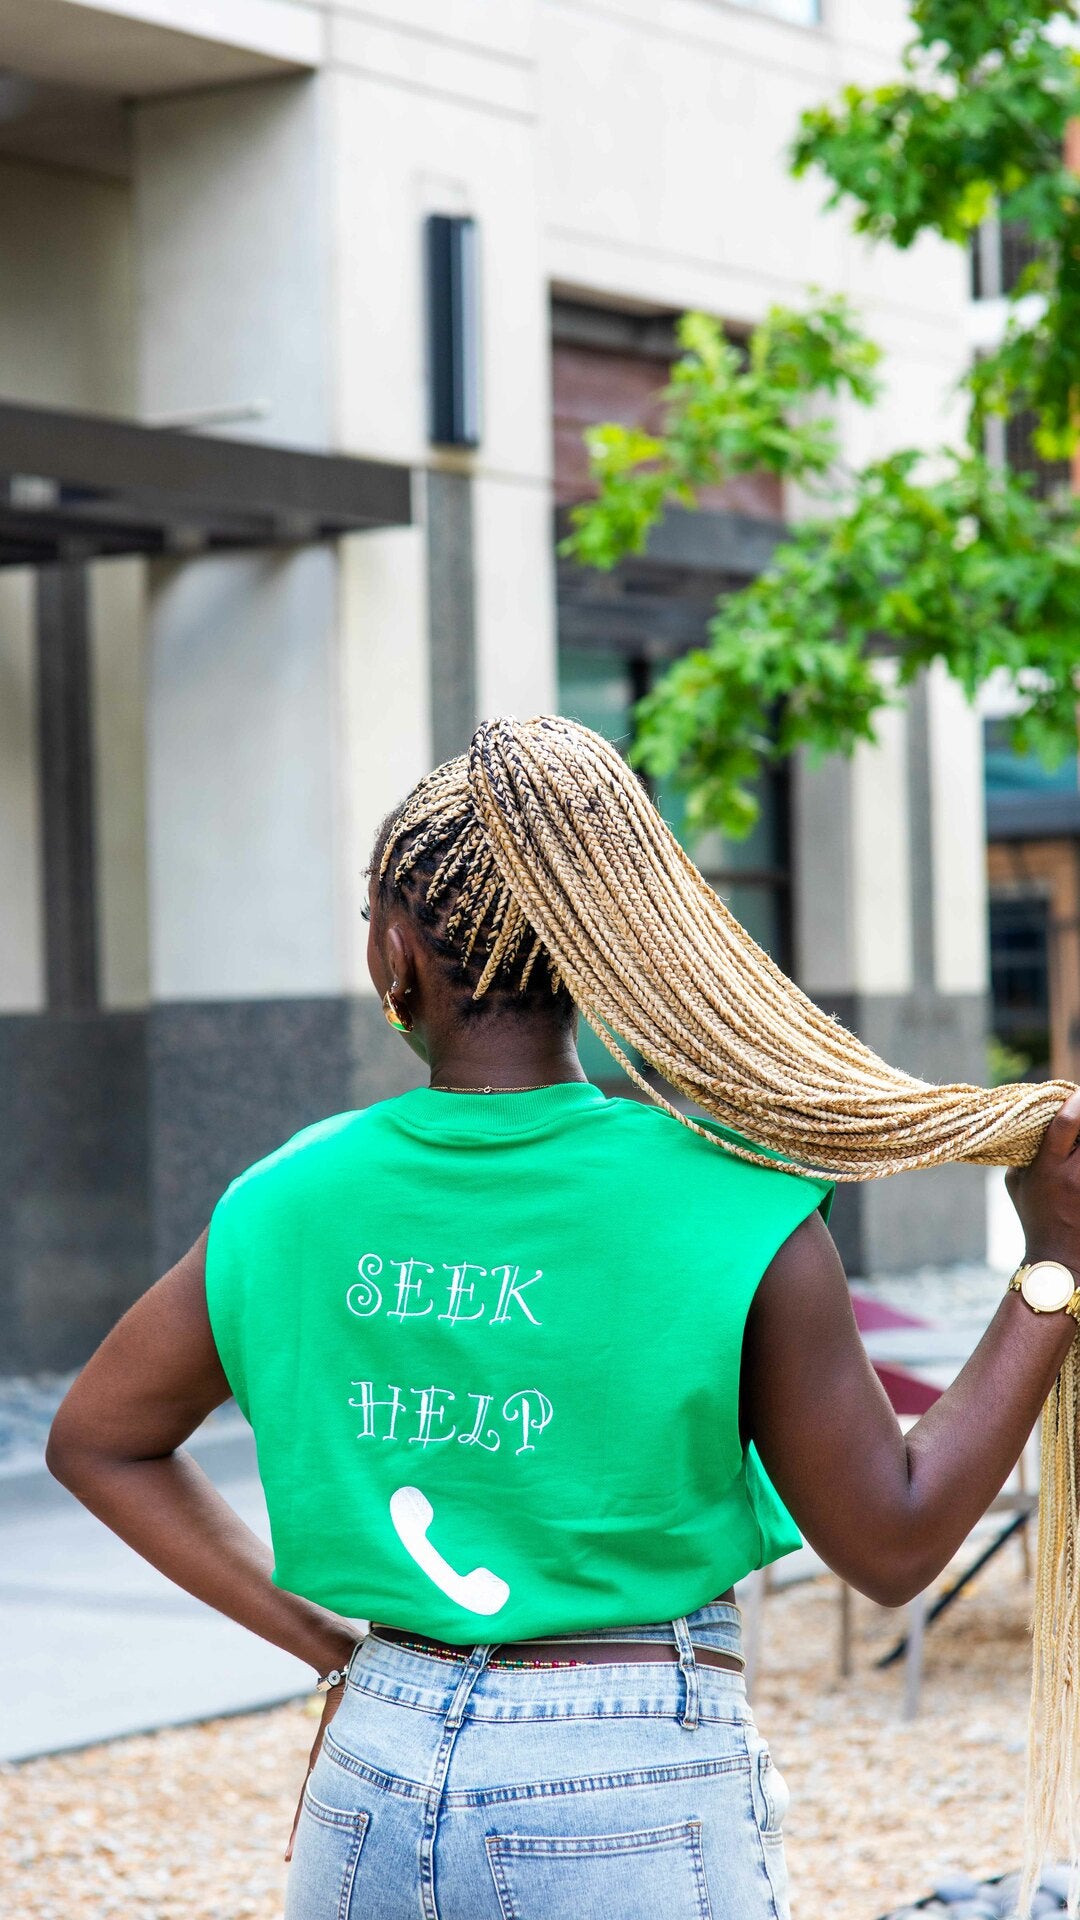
1047	1286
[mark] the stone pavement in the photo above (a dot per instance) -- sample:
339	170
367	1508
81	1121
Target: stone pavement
93	1642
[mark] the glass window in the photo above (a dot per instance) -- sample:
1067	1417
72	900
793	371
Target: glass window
596	686
1001	250
1020	977
1050	479
758	908
599	687
1009	772
751	875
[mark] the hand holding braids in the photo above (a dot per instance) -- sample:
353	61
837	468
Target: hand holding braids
547	850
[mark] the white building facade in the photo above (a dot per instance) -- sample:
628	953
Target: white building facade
211	224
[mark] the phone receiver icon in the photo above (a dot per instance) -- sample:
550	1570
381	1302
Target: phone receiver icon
478	1592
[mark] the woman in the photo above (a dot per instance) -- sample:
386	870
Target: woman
536	1375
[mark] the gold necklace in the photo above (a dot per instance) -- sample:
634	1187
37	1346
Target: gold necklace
538	1089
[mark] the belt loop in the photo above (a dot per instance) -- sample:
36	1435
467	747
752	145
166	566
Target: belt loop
474	1667
688	1667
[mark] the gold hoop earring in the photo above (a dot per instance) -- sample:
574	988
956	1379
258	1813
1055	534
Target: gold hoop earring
394	1016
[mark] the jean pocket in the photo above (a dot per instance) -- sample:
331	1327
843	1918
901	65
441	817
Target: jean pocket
653	1875
771	1801
326	1854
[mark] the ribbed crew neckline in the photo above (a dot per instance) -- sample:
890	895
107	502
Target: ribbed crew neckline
453	1115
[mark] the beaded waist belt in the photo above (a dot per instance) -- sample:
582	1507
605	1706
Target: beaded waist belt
555	1653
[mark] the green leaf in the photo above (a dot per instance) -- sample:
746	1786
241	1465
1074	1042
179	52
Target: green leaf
968	569
979	117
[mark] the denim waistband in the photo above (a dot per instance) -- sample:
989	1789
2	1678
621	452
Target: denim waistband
450	1686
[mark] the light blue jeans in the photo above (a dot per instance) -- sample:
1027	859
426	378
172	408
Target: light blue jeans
458	1791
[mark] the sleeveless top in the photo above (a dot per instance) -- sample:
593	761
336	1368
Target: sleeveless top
489	1345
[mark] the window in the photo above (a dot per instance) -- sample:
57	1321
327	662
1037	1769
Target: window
1020	977
619	631
1050	478
599	686
1033	866
1000	252
1010	773
1009	443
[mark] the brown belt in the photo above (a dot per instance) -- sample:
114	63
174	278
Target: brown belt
563	1653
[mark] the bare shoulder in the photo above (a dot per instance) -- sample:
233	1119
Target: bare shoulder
801	1342
806	1274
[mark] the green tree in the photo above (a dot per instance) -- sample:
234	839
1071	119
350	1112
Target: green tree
925	557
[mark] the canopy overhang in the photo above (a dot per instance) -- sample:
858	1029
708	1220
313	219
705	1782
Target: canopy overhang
79	486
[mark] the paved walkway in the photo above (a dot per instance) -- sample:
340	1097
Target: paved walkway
94	1643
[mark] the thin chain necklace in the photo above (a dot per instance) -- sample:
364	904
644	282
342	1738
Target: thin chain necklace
544	1084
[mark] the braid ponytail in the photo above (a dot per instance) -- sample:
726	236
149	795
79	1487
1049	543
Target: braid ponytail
555	849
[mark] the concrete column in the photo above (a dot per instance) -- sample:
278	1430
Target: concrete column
241	777
118	715
66	786
22	931
73	1171
517	670
253	1031
958	817
451	561
73	1219
385	723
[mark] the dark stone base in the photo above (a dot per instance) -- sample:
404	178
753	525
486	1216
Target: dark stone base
74	1223
230	1081
936	1217
123	1129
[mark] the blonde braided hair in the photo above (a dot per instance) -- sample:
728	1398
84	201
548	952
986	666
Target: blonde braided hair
547	850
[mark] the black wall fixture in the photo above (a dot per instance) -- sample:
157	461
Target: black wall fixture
452	244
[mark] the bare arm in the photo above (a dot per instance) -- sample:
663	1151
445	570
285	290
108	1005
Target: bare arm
114	1445
887	1510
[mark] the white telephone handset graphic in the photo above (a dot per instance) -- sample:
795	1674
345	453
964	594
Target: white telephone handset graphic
478	1592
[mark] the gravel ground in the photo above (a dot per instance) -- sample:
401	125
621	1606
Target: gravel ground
191	1822
881	1809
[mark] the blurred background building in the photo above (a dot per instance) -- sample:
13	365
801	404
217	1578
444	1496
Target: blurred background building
304	305
1033	812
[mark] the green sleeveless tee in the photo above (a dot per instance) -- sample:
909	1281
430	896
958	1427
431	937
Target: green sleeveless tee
489	1345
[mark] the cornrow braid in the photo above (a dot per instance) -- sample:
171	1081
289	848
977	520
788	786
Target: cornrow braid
434	855
540	842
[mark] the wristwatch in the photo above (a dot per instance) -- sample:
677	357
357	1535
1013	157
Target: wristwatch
1048	1287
